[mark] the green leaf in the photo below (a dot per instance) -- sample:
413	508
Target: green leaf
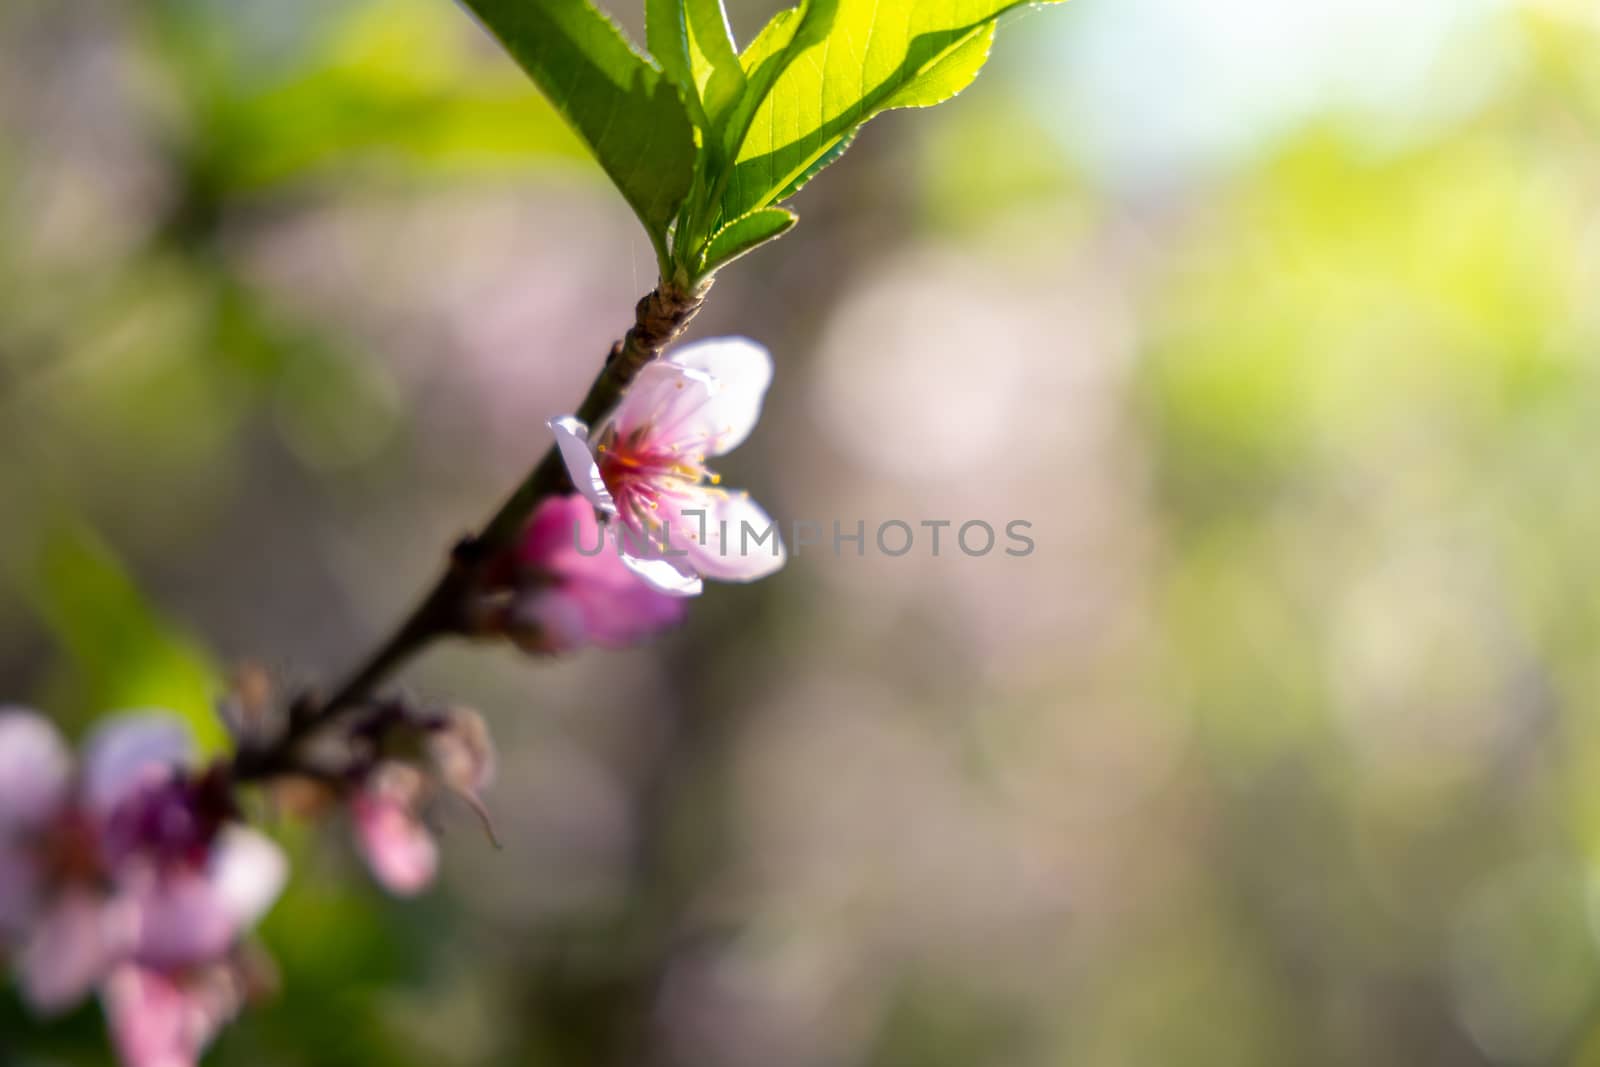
951	73
723	82
823	161
666	34
628	112
873	56
692	42
788	34
744	234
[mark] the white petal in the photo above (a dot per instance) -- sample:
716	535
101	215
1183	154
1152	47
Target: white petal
131	751
35	768
685	409
664	575
248	871
743	371
66	954
741	542
572	438
737	362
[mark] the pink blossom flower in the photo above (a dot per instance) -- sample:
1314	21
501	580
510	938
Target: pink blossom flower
645	467
127	860
386	808
576	591
167	1019
398	847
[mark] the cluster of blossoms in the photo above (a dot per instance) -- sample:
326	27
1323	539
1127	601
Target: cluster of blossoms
614	563
131	873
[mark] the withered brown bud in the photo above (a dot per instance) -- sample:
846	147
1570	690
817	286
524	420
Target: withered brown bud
462	752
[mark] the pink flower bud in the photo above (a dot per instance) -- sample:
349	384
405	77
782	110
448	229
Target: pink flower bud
576	590
397	846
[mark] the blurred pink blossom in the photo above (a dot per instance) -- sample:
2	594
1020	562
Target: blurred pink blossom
574	595
645	466
127	861
386	809
386	812
161	1019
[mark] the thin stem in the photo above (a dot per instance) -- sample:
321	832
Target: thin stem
432	618
659	318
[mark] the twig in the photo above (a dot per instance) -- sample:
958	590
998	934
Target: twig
659	318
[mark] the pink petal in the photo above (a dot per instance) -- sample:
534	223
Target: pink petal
620	608
179	920
131	752
610	614
67	954
35	769
187	917
585	561
744	369
555	617
398	848
572	440
157	1020
563	530
703	400
669	409
729	538
586	593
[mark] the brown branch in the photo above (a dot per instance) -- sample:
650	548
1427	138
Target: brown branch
659	319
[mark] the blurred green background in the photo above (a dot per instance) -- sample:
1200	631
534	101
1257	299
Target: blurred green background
1278	322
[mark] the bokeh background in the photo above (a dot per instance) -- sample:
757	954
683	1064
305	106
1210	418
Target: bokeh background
1278	322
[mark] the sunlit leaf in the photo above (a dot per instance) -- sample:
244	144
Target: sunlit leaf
746	233
873	55
952	72
821	163
787	35
692	42
626	110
